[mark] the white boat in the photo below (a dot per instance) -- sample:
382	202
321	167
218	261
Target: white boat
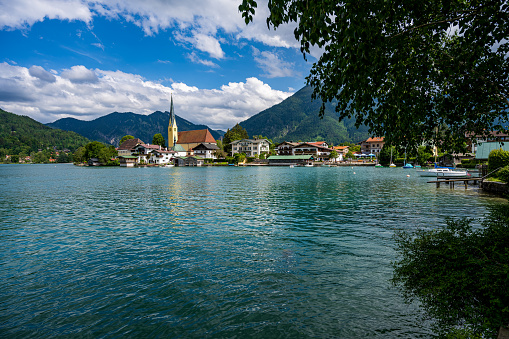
442	172
392	164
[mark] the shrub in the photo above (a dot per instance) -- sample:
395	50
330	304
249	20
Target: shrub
459	273
498	158
503	174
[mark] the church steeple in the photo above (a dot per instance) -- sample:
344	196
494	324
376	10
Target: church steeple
172	127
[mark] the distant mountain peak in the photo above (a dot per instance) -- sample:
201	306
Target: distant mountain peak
112	127
296	118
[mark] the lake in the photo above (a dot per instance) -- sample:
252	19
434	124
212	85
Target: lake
212	252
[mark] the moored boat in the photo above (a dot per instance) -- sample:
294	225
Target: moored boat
442	172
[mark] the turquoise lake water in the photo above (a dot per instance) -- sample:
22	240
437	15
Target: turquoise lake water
224	252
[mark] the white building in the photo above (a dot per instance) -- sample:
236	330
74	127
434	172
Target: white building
251	147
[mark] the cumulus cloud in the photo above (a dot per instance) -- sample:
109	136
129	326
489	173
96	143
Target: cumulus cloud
80	75
41	74
69	96
23	13
200	19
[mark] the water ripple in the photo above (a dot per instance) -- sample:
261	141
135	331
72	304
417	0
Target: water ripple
211	252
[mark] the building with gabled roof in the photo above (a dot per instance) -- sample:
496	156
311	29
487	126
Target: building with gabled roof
191	139
128	146
250	147
316	149
285	148
206	150
372	145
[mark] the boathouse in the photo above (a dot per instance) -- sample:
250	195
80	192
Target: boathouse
287	160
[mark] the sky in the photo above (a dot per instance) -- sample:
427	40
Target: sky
88	58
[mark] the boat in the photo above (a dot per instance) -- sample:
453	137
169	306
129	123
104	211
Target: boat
378	166
392	164
406	165
443	172
292	166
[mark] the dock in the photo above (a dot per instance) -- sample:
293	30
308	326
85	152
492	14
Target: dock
452	181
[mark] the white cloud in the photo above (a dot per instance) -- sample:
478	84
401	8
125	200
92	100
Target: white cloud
68	96
210	45
272	65
80	74
194	58
24	13
201	19
41	74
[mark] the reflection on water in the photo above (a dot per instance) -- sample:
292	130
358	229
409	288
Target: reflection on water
211	252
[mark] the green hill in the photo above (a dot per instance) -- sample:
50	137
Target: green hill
112	127
296	118
23	134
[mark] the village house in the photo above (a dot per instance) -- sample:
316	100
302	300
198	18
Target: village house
286	148
473	141
206	150
342	151
127	147
251	147
127	160
319	150
372	145
189	161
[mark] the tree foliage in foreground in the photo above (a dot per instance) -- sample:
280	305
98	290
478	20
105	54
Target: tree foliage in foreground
460	274
409	70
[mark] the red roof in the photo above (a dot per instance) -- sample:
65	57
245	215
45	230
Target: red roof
316	143
199	136
375	139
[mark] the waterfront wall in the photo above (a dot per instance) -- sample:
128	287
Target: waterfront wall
495	187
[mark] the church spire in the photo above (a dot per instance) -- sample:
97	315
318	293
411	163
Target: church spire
172	127
172	114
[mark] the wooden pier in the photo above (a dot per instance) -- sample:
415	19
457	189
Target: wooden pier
452	181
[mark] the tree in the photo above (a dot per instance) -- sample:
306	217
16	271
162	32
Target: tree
239	157
385	154
423	155
79	155
411	71
158	139
124	138
459	274
96	149
333	155
236	133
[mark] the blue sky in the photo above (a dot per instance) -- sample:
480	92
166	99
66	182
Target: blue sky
85	59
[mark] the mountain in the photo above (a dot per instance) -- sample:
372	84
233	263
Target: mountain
112	127
296	118
23	134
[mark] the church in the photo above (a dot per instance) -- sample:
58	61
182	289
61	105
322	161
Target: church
199	142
